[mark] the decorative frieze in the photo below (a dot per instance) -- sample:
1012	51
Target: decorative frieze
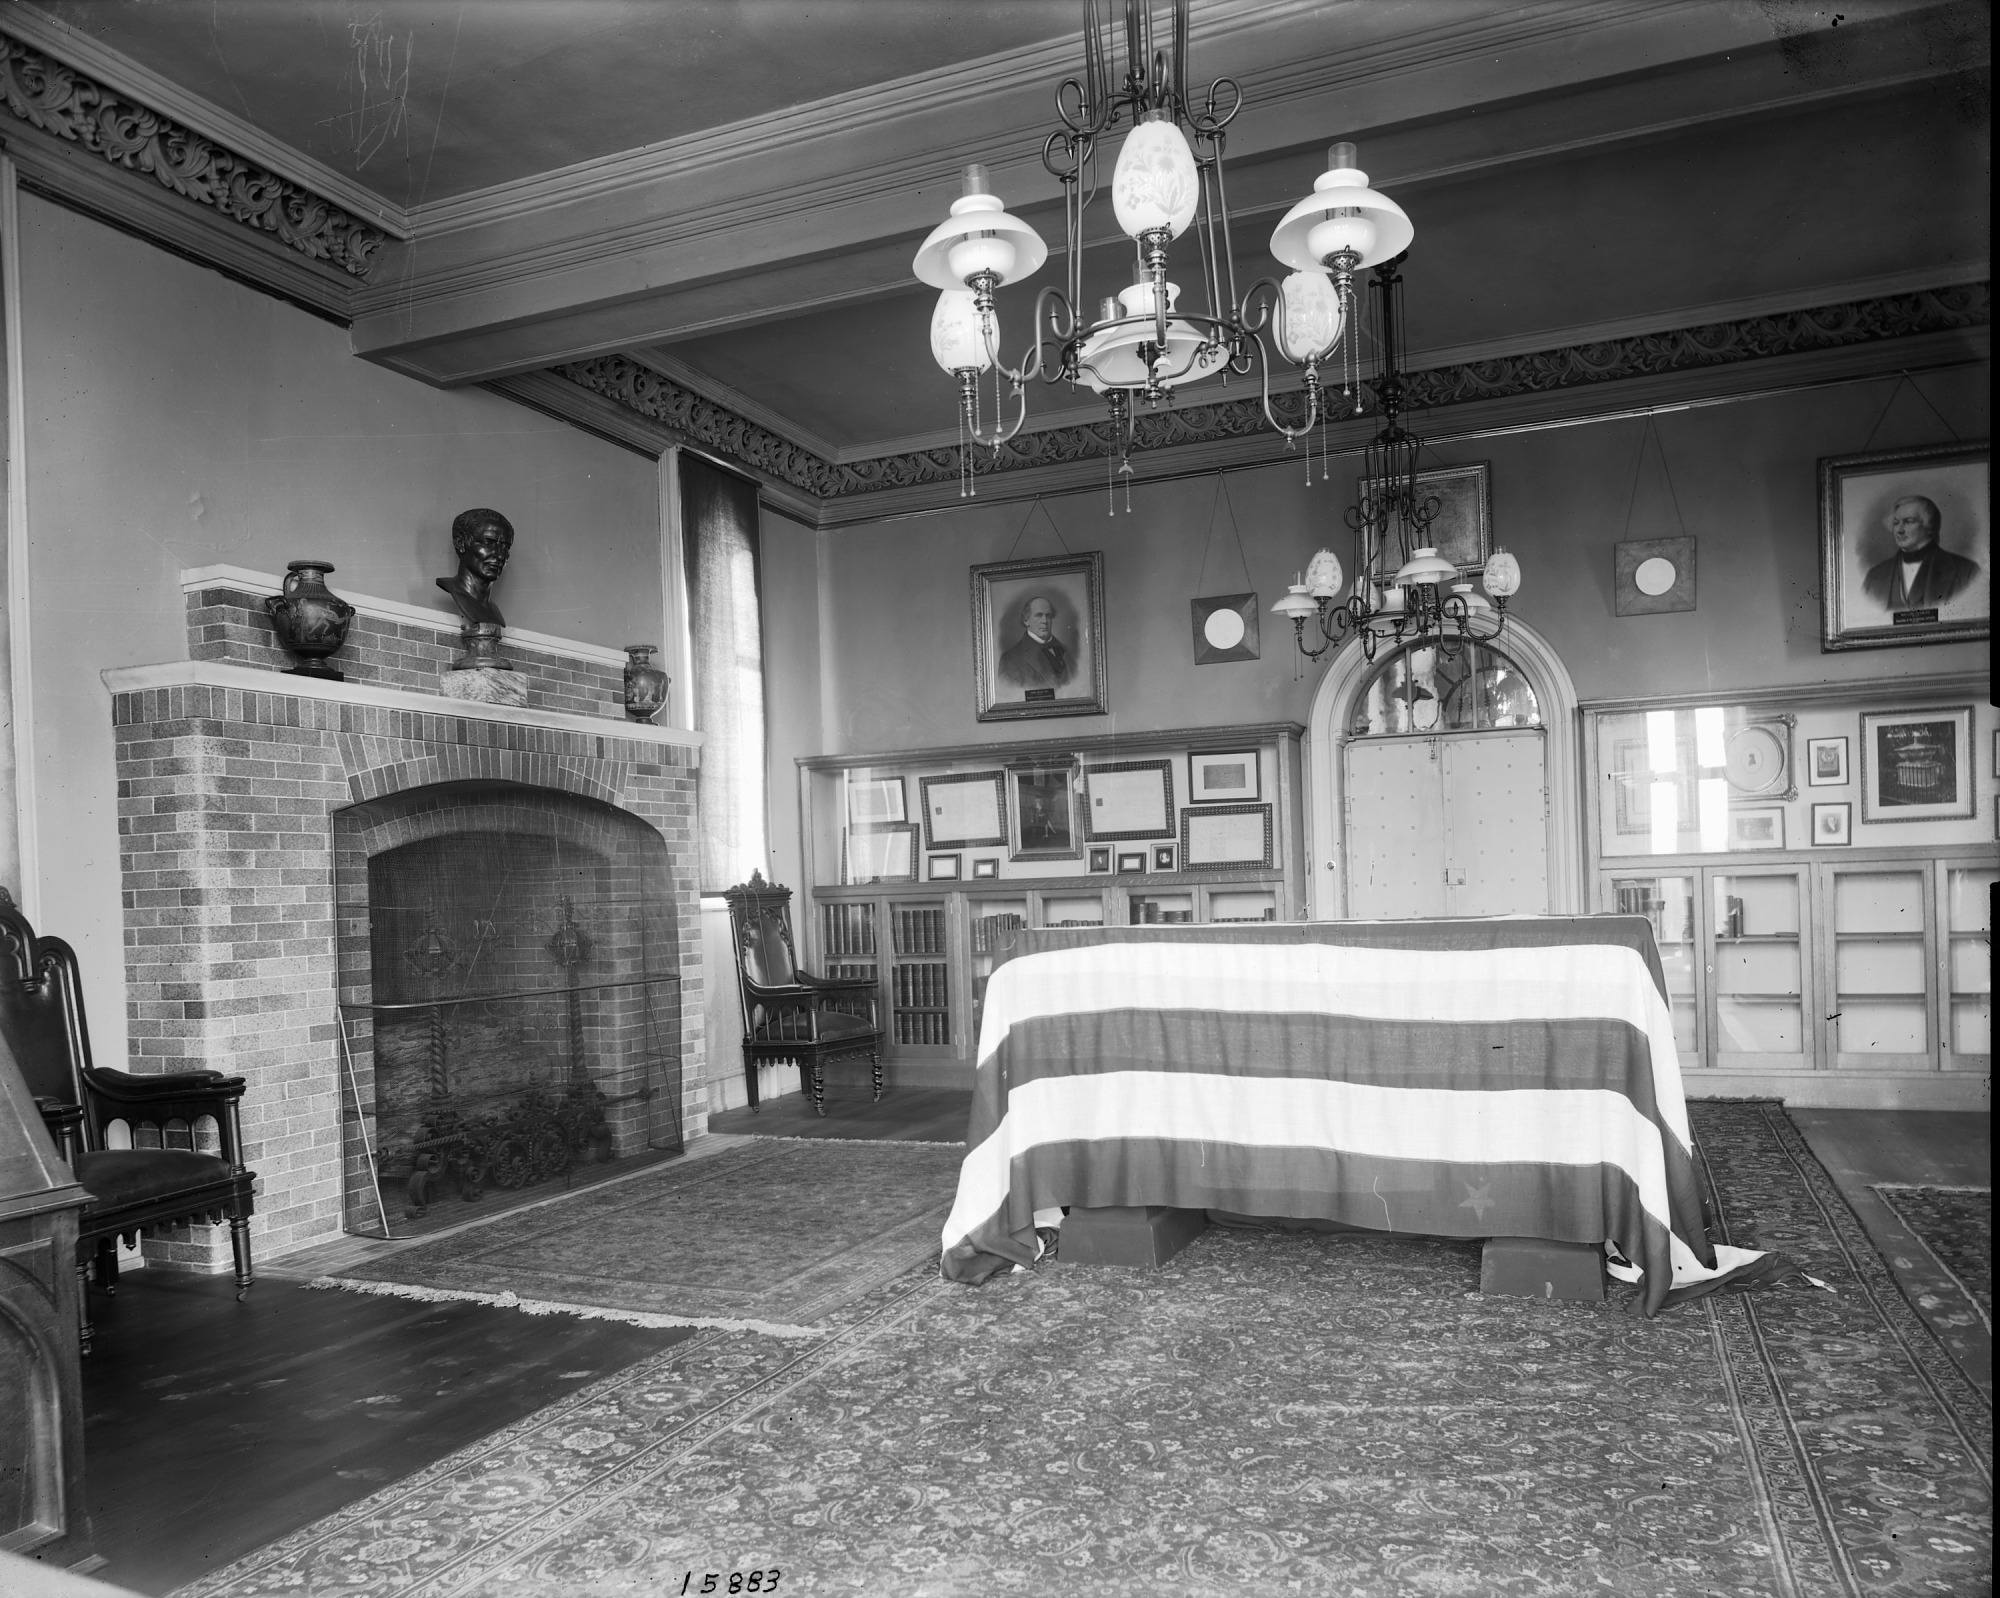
63	102
704	421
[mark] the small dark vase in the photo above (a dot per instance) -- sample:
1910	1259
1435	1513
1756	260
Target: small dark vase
645	683
311	622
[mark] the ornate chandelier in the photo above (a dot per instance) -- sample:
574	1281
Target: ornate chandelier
1426	601
1144	344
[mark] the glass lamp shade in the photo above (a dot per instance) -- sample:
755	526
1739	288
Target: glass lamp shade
1154	184
1296	605
977	237
1502	575
1311	322
1426	566
1475	602
958	338
1342	212
1323	575
1111	357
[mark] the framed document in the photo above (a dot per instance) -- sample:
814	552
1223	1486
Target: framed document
1218	836
1222	778
965	812
874	801
1132	799
887	854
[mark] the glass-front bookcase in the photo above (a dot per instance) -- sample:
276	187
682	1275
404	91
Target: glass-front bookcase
924	864
1819	911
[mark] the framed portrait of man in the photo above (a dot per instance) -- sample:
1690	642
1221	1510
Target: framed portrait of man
1906	547
1038	637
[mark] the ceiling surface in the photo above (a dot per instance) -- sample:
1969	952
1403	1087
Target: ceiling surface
731	193
422	100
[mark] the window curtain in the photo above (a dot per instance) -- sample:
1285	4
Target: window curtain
726	641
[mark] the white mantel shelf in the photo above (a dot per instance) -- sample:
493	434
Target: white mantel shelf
248	679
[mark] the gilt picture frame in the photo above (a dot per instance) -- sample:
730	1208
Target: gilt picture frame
1038	637
1872	595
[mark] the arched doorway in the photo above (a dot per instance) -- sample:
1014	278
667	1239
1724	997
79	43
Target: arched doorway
1428	735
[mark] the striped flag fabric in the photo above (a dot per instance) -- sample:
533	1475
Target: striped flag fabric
1505	1077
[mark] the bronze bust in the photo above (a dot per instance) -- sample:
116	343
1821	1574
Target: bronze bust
482	539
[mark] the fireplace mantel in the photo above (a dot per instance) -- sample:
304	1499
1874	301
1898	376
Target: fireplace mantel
250	679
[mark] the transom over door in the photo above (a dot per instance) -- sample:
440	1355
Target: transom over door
1453	825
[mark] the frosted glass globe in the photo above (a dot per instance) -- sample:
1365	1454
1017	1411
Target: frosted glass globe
1502	574
1311	319
958	340
1154	184
1323	575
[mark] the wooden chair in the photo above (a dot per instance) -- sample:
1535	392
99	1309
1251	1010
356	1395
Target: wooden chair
164	1179
789	1014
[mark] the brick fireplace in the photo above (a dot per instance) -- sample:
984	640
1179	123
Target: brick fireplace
251	804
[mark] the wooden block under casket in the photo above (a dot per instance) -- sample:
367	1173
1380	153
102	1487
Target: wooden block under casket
1539	1267
1148	1234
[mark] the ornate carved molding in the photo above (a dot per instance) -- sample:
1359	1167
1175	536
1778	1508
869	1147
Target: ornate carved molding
59	100
703	421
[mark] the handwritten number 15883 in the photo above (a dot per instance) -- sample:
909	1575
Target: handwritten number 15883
737	1580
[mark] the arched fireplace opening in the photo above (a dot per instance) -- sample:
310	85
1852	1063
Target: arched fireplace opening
510	1001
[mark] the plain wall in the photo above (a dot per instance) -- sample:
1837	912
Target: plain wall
896	668
177	419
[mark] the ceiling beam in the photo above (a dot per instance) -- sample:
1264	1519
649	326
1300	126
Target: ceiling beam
777	219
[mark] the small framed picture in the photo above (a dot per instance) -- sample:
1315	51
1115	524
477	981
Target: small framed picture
1757	827
1043	815
1100	859
1163	857
1132	860
885	854
1222	777
1916	765
1826	765
1832	824
988	866
874	801
1460	527
941	868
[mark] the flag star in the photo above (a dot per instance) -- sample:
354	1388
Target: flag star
1478	1199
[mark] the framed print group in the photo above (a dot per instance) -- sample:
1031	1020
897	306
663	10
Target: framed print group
1906	547
1038	637
1916	765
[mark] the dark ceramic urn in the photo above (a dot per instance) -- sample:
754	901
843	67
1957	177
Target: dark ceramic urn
645	683
311	621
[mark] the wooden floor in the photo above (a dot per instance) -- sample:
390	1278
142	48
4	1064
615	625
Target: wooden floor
214	1427
914	1115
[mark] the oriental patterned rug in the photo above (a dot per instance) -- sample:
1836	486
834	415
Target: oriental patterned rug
767	1236
1269	1412
1948	1276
